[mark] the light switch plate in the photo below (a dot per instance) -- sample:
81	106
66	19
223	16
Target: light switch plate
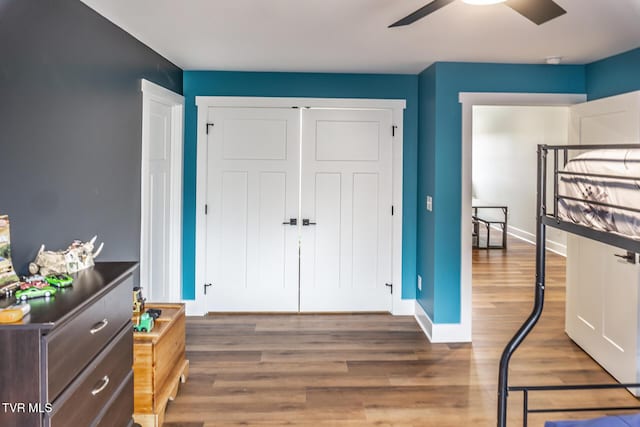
429	203
419	282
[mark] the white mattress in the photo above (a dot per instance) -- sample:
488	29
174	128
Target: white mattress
606	190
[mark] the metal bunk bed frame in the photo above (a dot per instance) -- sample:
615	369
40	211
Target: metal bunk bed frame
551	219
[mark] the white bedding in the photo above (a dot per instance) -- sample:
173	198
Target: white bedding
606	190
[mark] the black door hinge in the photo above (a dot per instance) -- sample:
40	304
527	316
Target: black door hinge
206	209
208	126
390	286
391	210
393	130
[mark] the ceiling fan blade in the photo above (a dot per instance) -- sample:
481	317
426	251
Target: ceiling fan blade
421	13
537	11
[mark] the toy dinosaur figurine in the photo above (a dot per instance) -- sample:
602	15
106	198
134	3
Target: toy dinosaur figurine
78	256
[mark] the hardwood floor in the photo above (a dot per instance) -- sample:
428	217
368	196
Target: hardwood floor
380	370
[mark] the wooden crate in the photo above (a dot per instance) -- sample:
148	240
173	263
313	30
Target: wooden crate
159	364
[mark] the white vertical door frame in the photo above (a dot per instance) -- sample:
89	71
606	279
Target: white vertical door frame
154	92
462	331
400	306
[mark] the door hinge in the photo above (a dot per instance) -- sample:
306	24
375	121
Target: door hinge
208	126
390	286
391	210
393	130
206	209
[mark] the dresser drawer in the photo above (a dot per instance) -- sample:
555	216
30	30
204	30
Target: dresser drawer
86	397
118	414
71	348
117	305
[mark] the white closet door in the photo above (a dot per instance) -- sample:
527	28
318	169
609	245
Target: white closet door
345	257
159	202
602	290
252	188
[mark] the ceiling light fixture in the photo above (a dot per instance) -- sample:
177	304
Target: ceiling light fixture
483	2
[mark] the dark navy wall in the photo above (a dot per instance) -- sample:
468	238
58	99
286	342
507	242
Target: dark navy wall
441	248
614	75
71	127
220	83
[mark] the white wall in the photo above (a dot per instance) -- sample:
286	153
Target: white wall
505	140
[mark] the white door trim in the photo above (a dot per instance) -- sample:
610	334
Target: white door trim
397	107
152	91
462	331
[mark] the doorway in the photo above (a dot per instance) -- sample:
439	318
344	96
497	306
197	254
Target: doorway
298	206
463	330
504	168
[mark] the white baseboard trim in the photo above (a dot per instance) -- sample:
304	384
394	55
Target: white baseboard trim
404	307
192	308
441	332
424	321
553	246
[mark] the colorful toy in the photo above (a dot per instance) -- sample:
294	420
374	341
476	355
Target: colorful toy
76	257
145	323
8	279
59	280
33	283
154	313
138	301
29	293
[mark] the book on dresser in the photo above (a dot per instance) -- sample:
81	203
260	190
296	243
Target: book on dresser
69	361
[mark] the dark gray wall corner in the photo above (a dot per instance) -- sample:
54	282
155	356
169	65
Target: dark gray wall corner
71	126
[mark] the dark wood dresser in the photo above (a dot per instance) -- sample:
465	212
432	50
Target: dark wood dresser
69	362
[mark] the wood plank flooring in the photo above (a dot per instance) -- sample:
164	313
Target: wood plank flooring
380	370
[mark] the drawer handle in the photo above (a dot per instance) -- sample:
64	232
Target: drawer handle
99	326
105	383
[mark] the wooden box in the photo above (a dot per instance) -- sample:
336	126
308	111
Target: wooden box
159	364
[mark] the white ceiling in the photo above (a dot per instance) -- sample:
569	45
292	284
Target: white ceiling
352	35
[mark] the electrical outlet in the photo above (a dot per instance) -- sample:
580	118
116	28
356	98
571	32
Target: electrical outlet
429	203
419	282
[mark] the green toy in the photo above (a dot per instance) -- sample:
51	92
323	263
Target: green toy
29	293
59	280
145	324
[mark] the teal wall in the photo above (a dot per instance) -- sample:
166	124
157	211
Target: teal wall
614	75
221	83
432	146
426	182
439	169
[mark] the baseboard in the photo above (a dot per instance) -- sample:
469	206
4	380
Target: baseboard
525	236
424	321
404	307
441	332
192	308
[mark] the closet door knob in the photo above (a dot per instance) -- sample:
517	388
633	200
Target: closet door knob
292	221
306	222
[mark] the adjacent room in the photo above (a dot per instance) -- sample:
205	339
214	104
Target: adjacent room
319	213
505	140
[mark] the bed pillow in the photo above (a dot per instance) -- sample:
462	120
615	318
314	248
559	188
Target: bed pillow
613	421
